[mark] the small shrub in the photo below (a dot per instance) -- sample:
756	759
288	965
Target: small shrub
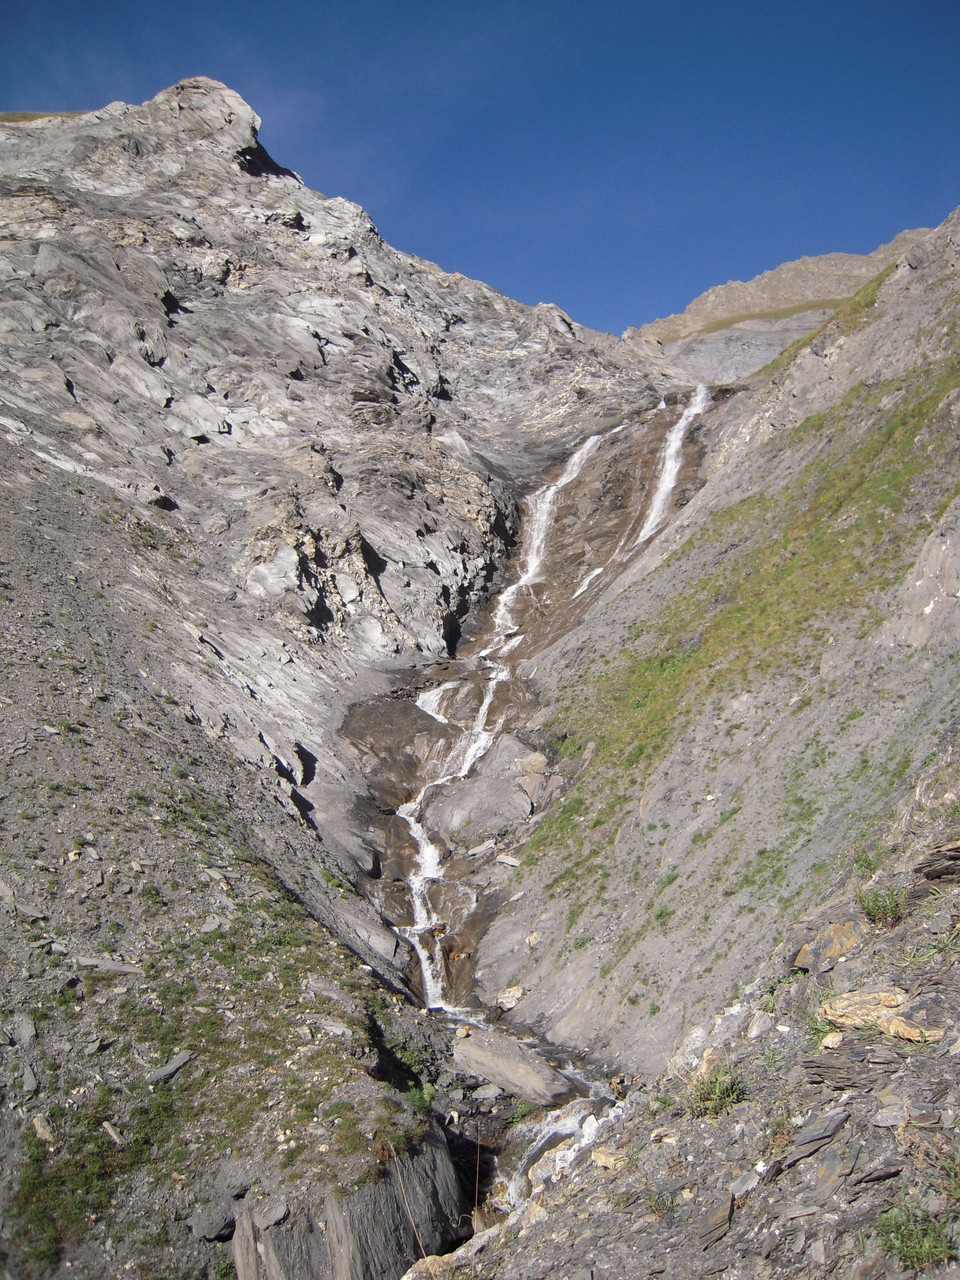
420	1099
715	1093
913	1235
865	864
883	906
658	1103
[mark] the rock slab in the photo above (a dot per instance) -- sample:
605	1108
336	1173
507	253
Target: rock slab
499	1058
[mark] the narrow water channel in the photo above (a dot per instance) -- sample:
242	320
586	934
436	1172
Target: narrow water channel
474	707
428	930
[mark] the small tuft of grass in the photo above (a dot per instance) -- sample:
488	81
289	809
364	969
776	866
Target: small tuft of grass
883	906
948	1175
658	1203
714	1093
913	1235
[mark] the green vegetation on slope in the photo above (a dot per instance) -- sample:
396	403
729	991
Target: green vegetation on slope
771	313
850	314
788	569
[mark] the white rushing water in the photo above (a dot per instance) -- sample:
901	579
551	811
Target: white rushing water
670	464
667	474
476	738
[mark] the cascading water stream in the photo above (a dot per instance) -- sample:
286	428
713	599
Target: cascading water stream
558	1136
666	480
670	466
476	738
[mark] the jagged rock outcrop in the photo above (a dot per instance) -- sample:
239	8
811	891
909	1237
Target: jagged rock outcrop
420	1208
255	464
317	442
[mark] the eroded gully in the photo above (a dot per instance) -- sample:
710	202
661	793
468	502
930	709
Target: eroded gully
580	530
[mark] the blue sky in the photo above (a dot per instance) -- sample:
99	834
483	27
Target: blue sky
614	158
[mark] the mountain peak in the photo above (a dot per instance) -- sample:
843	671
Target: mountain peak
207	106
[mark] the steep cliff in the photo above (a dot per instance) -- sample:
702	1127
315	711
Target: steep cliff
256	464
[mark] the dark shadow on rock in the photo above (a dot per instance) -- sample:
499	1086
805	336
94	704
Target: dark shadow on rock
451	633
258	163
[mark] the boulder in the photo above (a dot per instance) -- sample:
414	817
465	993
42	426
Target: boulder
496	1056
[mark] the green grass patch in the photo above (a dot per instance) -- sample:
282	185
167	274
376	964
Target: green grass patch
714	1093
845	530
912	1235
883	906
851	313
59	1192
27	117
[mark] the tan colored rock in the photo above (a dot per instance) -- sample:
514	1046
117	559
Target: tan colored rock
509	998
532	1214
858	1009
550	1164
432	1265
821	953
607	1159
891	1024
41	1127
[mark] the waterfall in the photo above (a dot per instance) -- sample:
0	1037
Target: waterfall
667	474
477	738
670	464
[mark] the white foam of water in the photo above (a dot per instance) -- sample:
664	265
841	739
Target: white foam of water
478	737
670	464
666	479
430	700
594	573
575	1121
536	527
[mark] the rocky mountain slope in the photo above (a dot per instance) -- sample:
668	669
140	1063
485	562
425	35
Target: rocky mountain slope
263	479
755	690
734	328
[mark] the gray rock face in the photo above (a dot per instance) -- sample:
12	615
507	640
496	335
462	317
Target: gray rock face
317	441
417	1208
739	349
293	460
496	1056
496	798
682	848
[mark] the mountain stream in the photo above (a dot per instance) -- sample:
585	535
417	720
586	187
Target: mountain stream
473	707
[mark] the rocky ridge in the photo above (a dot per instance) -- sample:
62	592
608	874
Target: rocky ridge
256	464
734	328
